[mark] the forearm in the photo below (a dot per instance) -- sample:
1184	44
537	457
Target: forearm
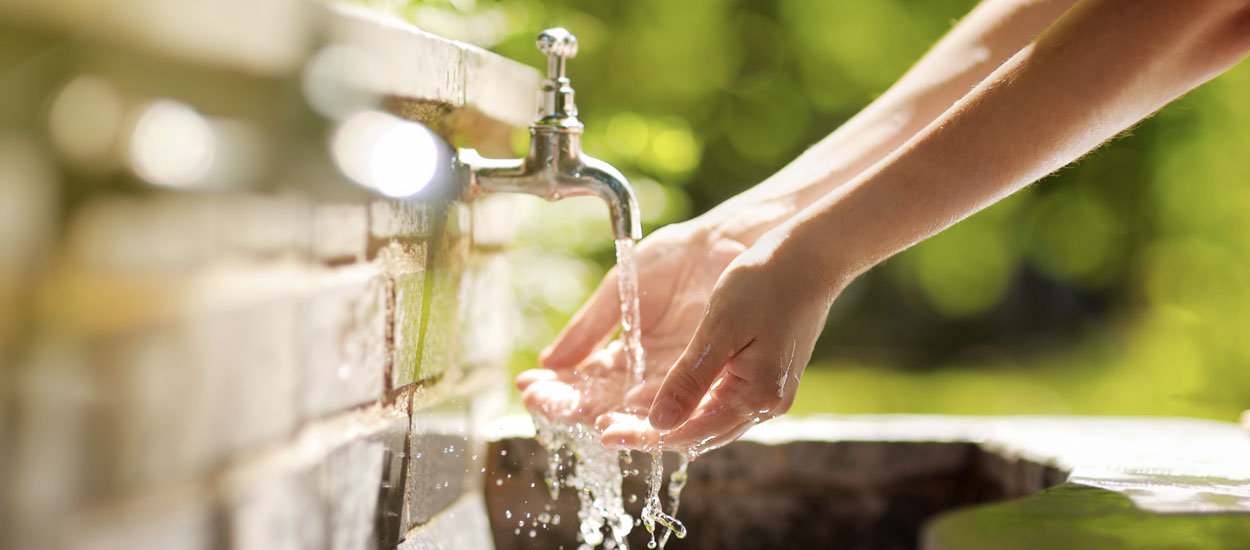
986	37
1105	65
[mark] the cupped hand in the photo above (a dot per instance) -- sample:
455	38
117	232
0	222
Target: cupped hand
743	362
678	266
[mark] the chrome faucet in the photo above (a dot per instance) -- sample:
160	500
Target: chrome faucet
555	166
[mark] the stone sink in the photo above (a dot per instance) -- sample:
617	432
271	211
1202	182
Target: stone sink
928	482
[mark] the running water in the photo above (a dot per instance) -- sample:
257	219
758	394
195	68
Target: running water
631	315
596	475
635	362
653	511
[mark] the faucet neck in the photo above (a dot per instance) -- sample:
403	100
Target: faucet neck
556	108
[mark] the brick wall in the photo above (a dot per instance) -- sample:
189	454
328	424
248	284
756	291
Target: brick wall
285	374
282	361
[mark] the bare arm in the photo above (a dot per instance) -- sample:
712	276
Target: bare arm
983	40
1103	66
680	264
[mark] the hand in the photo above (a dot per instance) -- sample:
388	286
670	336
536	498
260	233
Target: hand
677	267
743	363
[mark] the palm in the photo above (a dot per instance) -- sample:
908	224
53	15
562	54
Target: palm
677	270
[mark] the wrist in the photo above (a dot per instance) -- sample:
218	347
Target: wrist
749	215
804	257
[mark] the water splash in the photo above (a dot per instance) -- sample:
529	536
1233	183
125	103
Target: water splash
653	511
596	478
596	474
676	482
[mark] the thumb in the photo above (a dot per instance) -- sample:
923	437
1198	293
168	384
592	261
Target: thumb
589	327
692	375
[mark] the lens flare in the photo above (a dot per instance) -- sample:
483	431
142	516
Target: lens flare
395	157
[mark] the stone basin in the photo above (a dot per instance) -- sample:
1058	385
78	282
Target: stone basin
929	482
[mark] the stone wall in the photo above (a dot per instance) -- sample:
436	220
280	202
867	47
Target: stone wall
275	359
243	384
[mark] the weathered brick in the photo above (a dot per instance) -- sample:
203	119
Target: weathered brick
157	415
463	526
273	506
335	487
440	456
49	454
406	274
349	483
162	233
340	232
342	339
439	350
255	225
390	508
179	519
357	479
489	311
247	360
440	342
396	219
220	379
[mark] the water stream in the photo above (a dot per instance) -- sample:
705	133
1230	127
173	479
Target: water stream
631	315
596	473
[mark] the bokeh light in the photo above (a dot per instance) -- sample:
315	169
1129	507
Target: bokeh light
396	157
172	145
336	79
85	120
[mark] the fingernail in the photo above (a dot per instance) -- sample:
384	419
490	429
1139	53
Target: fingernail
664	414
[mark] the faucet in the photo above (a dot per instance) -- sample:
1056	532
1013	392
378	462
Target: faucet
555	166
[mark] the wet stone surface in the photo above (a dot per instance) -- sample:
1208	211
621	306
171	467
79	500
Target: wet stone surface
928	482
852	495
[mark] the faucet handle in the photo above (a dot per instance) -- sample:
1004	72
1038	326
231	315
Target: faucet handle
556	108
559	43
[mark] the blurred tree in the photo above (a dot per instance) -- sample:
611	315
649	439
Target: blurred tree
1118	285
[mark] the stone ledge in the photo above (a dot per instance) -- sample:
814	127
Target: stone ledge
1117	453
428	68
876	481
274	39
463	526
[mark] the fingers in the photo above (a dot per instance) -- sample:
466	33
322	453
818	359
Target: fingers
621	431
527	378
726	408
554	399
692	375
590	326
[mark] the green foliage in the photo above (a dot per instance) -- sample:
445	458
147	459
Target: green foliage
1118	285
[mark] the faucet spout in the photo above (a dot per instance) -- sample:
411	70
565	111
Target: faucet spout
555	178
555	166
